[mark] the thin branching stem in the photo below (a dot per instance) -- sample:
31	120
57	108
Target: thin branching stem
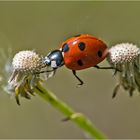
78	118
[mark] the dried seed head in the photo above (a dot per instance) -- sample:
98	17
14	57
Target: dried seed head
27	61
122	53
126	58
26	66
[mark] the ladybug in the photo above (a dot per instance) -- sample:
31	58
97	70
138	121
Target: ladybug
78	53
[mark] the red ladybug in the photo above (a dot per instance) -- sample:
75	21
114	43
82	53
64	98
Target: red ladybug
78	53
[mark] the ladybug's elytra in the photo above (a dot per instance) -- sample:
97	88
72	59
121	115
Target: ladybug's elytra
83	51
78	53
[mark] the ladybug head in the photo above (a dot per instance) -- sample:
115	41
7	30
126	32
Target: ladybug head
54	59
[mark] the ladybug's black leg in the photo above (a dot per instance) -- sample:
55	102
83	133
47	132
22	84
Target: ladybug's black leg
74	73
44	71
49	73
98	67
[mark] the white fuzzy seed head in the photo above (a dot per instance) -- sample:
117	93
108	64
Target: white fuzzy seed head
122	53
27	61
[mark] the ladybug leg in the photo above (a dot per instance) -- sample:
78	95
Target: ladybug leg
44	71
98	67
74	73
49	73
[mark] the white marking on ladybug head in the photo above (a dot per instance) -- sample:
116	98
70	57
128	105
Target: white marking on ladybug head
63	54
60	49
47	60
53	64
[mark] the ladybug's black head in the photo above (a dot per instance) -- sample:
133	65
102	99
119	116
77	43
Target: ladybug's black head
54	59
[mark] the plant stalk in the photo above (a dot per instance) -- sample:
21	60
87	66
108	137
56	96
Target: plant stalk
78	118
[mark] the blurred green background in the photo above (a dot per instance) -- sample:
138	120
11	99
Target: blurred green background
43	26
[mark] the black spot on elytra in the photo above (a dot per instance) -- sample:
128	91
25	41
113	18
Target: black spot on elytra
65	47
80	63
100	53
81	46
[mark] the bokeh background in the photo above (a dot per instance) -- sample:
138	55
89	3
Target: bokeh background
43	26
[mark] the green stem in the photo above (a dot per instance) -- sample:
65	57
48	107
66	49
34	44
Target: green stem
70	114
